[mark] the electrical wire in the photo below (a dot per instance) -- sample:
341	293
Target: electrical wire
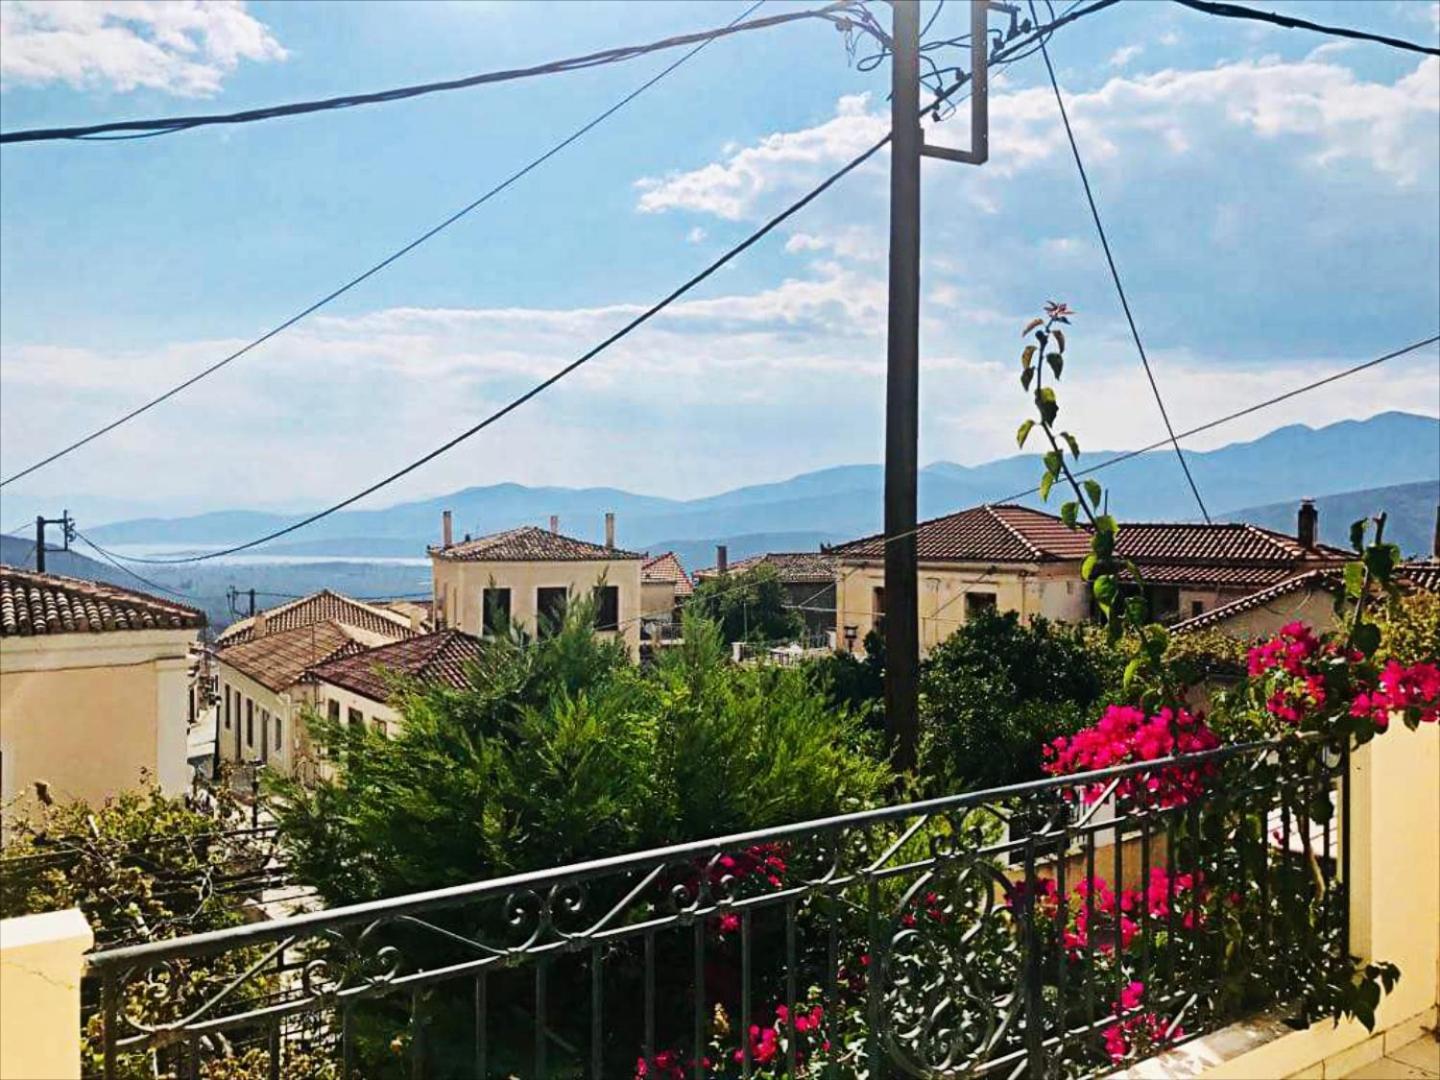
1237	11
834	12
540	387
377	267
1115	275
143	580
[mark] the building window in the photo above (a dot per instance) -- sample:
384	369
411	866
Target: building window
1197	607
265	733
877	608
332	711
227	706
277	734
976	602
249	721
495	606
354	718
607	607
550	604
378	727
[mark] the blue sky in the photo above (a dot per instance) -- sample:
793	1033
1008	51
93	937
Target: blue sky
1272	197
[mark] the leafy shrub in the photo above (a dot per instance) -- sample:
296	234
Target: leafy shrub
1410	629
748	606
996	691
559	751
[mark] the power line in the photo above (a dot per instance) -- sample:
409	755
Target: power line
833	12
143	580
377	267
1115	274
1237	11
645	316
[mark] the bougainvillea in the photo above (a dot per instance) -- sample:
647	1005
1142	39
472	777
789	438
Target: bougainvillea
1125	735
1139	1035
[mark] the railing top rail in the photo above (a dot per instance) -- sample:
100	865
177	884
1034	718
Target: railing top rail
297	925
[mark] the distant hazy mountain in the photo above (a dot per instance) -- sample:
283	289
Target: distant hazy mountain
1410	510
1279	468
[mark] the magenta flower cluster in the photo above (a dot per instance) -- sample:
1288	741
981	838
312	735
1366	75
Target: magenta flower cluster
1125	735
1138	1035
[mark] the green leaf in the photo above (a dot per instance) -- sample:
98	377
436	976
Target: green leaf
1023	433
1027	358
1357	534
1071	442
1354	579
1056	362
1131	670
1059	336
1026	377
1087	567
1106	588
1367	638
1135	610
1105	523
1046	483
1068	513
1381	560
1031	325
1046	403
1052	463
1094	491
1103	544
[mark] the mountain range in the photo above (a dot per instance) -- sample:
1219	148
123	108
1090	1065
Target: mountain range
1269	474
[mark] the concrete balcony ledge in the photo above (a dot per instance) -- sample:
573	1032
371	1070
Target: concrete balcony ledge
1268	1047
41	963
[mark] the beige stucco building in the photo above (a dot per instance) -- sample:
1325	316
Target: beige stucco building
94	687
664	586
529	575
261	663
1013	558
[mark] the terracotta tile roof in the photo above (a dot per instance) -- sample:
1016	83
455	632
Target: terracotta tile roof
1002	533
1422	573
793	567
529	543
33	603
319	607
1166	553
667	570
1329	580
1228	542
440	658
277	660
1234	575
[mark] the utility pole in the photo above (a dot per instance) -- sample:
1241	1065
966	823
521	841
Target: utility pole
902	384
67	525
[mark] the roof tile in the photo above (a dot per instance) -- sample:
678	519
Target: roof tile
319	607
442	658
793	567
666	569
529	543
33	603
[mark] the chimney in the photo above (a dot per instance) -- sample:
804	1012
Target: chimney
722	558
554	523
610	530
447	531
1305	523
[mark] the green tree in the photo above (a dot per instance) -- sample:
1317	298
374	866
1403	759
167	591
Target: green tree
748	606
561	750
996	691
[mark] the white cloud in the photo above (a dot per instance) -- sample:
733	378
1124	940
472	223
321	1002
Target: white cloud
1336	115
731	188
1169	38
696	235
183	47
1123	55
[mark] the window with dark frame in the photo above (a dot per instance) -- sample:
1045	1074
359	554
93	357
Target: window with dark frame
607	607
550	605
976	602
877	607
354	718
333	711
495	610
1197	607
278	740
249	721
227	706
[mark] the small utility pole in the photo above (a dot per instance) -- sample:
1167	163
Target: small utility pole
902	392
67	524
902	384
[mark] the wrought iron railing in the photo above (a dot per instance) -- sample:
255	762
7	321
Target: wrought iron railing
994	933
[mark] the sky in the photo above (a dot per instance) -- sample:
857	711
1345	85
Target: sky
1272	196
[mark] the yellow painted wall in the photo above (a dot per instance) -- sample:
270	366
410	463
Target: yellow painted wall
1055	592
1315	606
41	963
285	705
458	585
657	599
88	714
